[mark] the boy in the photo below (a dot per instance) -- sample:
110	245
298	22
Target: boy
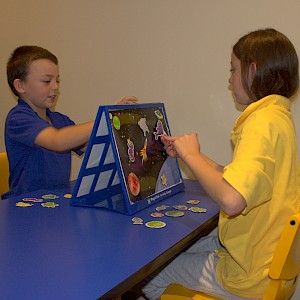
39	141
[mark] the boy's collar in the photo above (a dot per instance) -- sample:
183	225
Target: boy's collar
24	103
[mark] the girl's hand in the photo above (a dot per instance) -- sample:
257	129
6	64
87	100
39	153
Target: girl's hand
127	100
168	143
187	146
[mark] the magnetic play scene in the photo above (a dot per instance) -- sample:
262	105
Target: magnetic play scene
125	167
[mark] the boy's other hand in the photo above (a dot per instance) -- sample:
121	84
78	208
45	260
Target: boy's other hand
127	100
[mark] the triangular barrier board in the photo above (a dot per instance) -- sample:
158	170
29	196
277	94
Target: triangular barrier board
125	167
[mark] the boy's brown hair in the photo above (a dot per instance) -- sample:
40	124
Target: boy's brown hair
276	63
20	60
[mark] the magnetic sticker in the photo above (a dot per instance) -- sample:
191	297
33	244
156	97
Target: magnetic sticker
158	114
159	130
137	221
156	214
143	152
50	204
50	196
116	122
134	184
130	150
197	209
180	207
143	126
192	201
164	180
23	204
155	224
162	207
32	200
68	196
174	213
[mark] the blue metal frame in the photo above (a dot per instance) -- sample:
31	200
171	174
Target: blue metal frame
94	172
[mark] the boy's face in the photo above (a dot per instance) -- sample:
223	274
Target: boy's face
235	82
40	88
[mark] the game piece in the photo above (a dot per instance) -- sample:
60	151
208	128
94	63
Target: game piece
68	196
162	207
134	184
50	204
180	207
157	214
174	213
49	196
23	204
32	200
197	209
137	221
155	224
116	122
143	125
193	202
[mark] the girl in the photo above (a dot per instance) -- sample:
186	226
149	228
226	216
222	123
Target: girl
258	190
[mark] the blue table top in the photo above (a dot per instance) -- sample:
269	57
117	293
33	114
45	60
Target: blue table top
71	252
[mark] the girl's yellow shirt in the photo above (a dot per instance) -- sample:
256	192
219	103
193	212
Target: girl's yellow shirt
265	170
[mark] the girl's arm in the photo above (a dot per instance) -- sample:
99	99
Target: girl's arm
207	172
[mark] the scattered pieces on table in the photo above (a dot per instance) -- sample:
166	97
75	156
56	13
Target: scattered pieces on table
68	196
23	204
137	221
50	196
50	204
197	209
155	224
174	213
193	202
156	214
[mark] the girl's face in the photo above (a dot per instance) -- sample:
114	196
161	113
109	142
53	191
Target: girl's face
235	82
40	88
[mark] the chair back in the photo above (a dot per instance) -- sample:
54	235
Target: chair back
4	173
285	266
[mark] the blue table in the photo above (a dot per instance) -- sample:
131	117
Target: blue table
85	253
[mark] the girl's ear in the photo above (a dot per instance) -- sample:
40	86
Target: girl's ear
252	71
18	84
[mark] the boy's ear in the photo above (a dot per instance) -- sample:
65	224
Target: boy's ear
18	84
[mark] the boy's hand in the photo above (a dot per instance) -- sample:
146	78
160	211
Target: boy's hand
127	100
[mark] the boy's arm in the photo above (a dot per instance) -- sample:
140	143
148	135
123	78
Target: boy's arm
65	138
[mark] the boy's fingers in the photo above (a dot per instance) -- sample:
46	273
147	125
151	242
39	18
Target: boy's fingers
127	99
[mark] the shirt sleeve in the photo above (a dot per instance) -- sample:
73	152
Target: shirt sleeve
252	169
25	126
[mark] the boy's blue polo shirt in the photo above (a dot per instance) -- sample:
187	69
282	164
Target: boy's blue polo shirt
31	166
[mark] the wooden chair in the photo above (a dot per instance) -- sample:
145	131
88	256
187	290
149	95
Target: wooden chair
283	273
4	173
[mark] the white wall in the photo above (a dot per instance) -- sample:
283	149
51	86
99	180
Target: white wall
175	51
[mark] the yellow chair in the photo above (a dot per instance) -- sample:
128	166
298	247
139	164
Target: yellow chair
4	173
283	273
